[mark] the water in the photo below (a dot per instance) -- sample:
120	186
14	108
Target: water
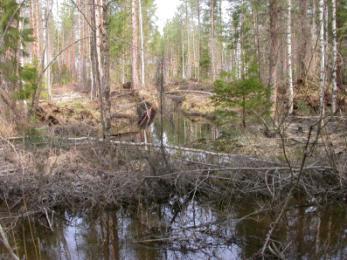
181	130
181	228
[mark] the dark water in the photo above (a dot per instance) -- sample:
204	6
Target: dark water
192	231
181	228
182	130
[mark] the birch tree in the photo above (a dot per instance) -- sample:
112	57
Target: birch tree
238	55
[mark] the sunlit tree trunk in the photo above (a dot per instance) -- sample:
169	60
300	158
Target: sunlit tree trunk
123	68
134	50
326	32
304	39
183	55
189	62
239	48
213	39
289	47
94	58
194	53
274	10
80	60
142	50
256	36
35	25
334	75
47	54
105	67
21	62
322	58
199	38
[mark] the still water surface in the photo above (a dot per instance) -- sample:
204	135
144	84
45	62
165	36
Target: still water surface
179	230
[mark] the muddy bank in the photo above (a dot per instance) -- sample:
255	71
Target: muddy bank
194	98
81	116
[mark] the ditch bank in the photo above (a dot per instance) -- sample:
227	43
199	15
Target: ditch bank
89	174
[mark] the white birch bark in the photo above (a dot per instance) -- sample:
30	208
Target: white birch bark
142	50
334	74
188	65
290	56
183	56
194	54
322	58
239	49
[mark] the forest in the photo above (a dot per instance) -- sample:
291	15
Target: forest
215	132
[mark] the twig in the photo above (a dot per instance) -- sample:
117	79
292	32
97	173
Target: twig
274	225
7	244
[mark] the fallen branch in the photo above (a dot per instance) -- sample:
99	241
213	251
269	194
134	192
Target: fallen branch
191	91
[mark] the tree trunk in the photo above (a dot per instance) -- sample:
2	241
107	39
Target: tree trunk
35	24
189	62
322	58
255	16
334	74
105	67
183	55
213	39
47	55
102	52
199	39
302	54
274	10
134	62
290	69
142	50
94	59
239	57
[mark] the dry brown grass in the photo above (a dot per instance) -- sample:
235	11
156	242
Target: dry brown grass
195	104
7	129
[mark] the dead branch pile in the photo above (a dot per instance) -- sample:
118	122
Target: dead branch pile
94	174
